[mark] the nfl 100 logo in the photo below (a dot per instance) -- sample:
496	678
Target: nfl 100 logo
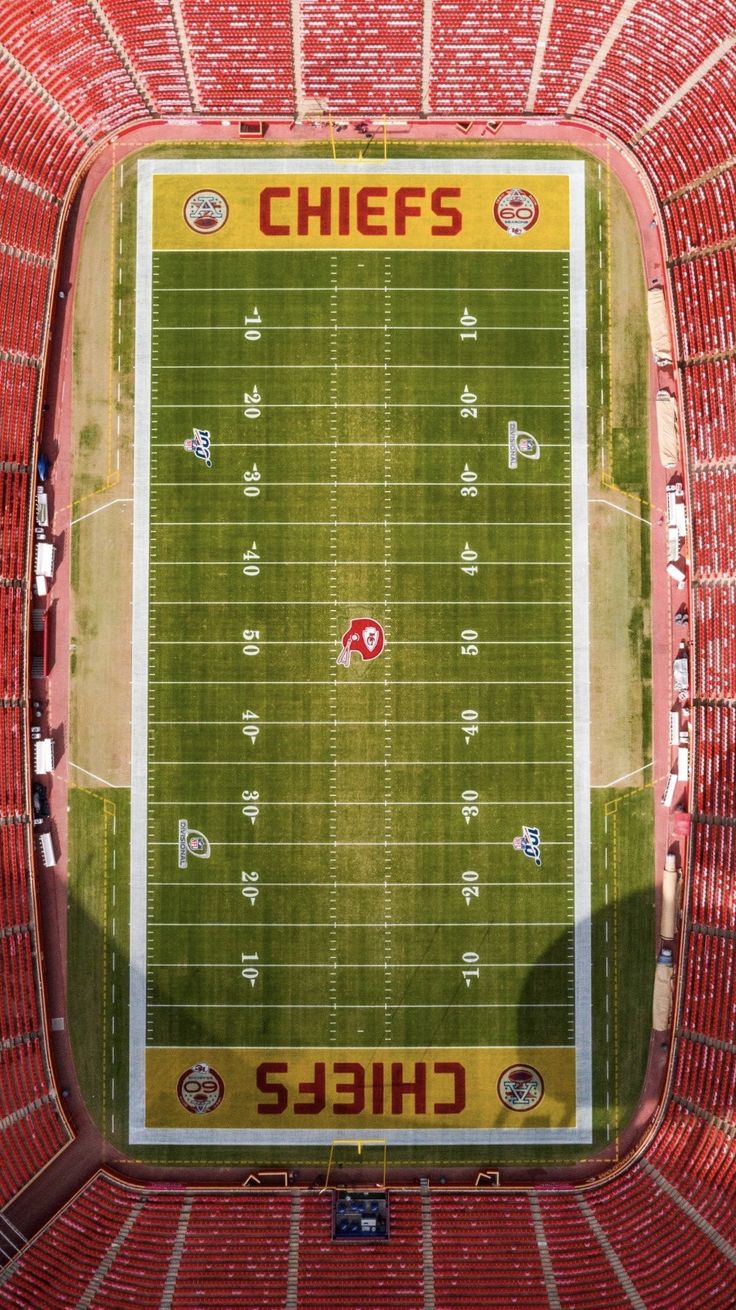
200	444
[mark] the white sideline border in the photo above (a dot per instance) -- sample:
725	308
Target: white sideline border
138	1132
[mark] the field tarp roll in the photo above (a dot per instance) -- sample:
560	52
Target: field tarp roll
662	998
667	429
659	326
669	903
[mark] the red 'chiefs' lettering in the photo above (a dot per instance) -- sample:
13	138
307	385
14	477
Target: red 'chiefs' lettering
262	1083
455	224
342	1087
369	211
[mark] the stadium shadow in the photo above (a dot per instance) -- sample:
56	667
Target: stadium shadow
622	973
623	958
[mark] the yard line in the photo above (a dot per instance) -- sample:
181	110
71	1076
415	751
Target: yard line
359	1005
314	641
279	290
396	404
357	563
353	804
261	445
361	723
343	446
362	764
262	964
176	446
370	603
248	845
329	923
357	327
187	368
372	885
401	682
360	523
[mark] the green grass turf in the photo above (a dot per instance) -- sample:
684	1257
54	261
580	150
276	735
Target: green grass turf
517	599
428	722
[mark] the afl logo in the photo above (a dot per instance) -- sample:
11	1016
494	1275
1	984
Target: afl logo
206	212
200	1089
520	1087
516	211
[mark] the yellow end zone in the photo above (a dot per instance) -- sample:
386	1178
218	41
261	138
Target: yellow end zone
414	210
352	1088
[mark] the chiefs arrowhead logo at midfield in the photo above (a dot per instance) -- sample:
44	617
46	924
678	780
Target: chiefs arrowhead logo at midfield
365	638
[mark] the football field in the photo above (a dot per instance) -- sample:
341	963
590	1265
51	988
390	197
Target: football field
360	809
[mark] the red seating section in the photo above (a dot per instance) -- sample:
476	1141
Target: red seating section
697	1159
62	44
714	889
482	56
387	1274
639	72
474	1255
147	31
714	512
651	1233
242	55
231	1271
709	391
362	64
18	389
233	1252
575	33
673	152
715	786
706	1076
23	290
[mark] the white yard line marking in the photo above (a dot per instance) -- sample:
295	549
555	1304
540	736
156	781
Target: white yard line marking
397	404
358	563
397	682
313	641
353	804
346	446
357	327
119	500
115	785
362	764
360	1005
600	500
246	846
360	723
307	883
601	786
279	290
359	523
330	923
446	604
436	368
282	964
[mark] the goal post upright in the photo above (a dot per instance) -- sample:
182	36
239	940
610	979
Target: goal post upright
359	1143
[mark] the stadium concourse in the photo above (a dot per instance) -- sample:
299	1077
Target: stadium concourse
657	82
